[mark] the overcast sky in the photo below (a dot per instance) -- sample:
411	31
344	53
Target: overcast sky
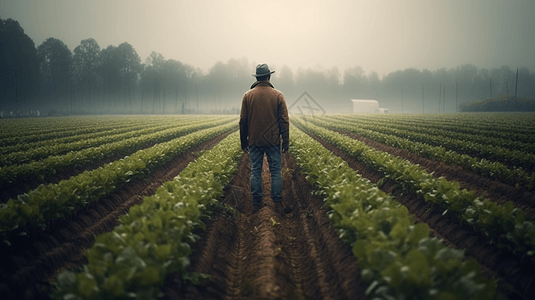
379	35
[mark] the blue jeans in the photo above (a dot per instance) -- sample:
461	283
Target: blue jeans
273	154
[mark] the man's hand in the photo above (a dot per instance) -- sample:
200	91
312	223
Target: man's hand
285	146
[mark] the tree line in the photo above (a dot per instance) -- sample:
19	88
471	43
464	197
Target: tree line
94	80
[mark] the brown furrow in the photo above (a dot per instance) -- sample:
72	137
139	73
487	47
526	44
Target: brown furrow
337	267
306	250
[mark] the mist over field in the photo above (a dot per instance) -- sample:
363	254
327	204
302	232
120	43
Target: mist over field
98	57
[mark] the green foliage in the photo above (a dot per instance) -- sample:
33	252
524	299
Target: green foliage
53	163
219	209
397	257
496	221
153	240
437	143
22	153
54	201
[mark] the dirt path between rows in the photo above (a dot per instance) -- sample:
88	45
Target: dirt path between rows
514	274
27	265
290	252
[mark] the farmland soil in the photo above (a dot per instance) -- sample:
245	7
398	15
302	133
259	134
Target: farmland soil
514	274
30	262
287	252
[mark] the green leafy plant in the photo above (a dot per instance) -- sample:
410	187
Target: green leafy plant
493	219
376	130
33	210
153	239
219	208
398	258
53	163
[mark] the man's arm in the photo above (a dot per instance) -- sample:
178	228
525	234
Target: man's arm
284	124
244	128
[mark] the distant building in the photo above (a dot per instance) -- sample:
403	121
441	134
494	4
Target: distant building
367	106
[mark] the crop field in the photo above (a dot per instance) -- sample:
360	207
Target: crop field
434	206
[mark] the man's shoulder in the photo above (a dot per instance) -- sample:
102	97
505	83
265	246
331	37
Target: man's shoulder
277	91
247	92
280	95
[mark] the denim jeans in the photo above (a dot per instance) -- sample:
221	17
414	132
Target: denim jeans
273	154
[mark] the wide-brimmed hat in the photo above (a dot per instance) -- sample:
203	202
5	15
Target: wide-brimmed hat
262	70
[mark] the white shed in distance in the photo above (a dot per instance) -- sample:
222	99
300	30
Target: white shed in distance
367	106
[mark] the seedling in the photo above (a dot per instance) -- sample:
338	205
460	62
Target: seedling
274	222
285	171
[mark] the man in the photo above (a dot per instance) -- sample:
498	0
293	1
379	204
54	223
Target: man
263	120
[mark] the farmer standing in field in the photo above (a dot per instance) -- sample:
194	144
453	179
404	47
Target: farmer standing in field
263	120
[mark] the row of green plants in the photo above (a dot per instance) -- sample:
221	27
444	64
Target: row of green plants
33	210
502	224
517	158
98	131
41	129
52	164
500	122
510	126
52	148
44	149
491	169
483	138
518	124
153	240
43	126
398	258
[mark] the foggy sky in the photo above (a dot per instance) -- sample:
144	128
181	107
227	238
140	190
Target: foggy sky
379	35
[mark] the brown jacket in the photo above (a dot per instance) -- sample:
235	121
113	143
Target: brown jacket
264	117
